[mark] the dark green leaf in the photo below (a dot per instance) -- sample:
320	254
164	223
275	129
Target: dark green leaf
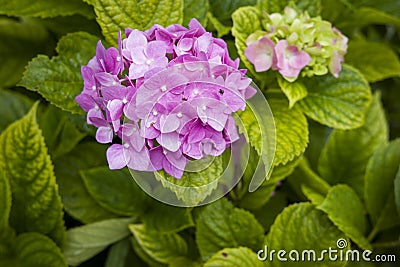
379	177
59	132
383	63
161	247
305	181
45	8
397	191
114	190
34	249
36	204
220	225
20	41
223	10
59	79
77	200
337	102
84	242
12	107
346	153
313	7
118	252
164	218
195	9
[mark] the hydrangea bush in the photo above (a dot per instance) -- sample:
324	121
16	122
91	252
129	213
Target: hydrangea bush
273	125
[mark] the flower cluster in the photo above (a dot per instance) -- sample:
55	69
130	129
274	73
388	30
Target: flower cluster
293	42
167	93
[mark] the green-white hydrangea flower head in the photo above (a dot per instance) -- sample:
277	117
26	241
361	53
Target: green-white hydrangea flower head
295	44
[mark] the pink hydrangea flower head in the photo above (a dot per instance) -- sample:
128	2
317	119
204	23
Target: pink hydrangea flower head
164	97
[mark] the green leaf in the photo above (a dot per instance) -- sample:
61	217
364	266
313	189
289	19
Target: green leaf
397	191
114	190
318	136
76	198
195	9
118	253
317	233
313	7
305	181
193	187
12	107
291	130
234	257
5	201
345	209
346	153
294	91
84	242
165	218
144	256
223	10
246	20
23	157
59	79
221	225
20	41
116	15
363	16
219	27
379	177
34	249
45	8
59	132
7	234
383	63
337	102
162	247
255	200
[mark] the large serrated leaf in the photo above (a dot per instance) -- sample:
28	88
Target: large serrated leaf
221	225
337	102
294	91
23	157
76	198
116	15
5	201
162	247
379	178
345	209
234	257
291	130
59	79
383	63
317	233
45	8
346	153
84	242
34	249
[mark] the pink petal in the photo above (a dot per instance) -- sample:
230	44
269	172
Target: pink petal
115	157
169	141
104	135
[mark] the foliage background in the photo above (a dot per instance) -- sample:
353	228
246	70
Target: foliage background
336	172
